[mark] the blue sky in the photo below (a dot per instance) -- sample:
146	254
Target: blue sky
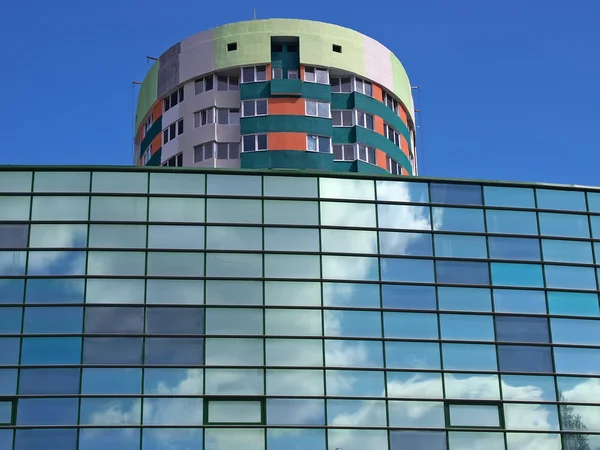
509	90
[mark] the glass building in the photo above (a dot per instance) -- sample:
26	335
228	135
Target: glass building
201	309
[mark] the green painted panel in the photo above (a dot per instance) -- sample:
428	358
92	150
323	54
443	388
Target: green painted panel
147	95
314	91
154	131
379	141
284	87
287	159
249	91
316	40
373	106
285	123
342	101
363	167
344	135
402	86
155	160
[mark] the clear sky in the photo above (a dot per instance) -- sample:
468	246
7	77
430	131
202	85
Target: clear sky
509	90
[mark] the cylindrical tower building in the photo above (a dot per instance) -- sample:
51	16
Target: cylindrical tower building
278	93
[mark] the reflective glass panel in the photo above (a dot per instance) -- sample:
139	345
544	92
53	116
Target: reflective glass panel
295	322
348	241
291	382
235	381
528	387
524	249
114	319
111	381
49	381
291	212
407	217
103	438
233	411
61	182
414	385
469	357
342	412
33	439
167	320
59	208
462	272
173	411
177	183
408	297
348	214
522	329
120	209
116	263
350	323
531	417
464	327
117	236
346	189
470	441
221	438
474	415
412	270
10	320
295	412
115	291
511	222
15	208
471	386
516	301
350	295
290	186
175	237
355	383
579	389
412	355
577	360
520	358
369	353
464	299
172	209
350	268
9	351
51	350
569	225
525	275
242	185
567	251
456	194
12	290
292	239
299	439
233	211
292	266
570	277
53	319
120	182
294	352
458	219
559	199
47	411
46	235
233	265
402	191
97	350
110	411
573	304
575	331
175	351
56	263
509	196
228	321
413	244
458	246
418	440
410	325
8	381
175	264
234	352
174	381
15	181
15	236
220	292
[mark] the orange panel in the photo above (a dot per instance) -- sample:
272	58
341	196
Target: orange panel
157	143
377	92
403	115
290	106
381	159
157	110
287	141
302	72
404	145
378	124
268	72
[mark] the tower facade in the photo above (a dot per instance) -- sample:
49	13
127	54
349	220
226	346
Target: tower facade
278	93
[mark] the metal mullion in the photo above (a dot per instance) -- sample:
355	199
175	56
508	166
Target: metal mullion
264	303
203	368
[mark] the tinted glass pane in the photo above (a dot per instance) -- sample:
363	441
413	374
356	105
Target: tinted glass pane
418	440
119	209
177	183
574	331
234	321
242	185
291	382
15	181
462	272
469	357
9	351
8	381
115	291
411	355
73	236
511	222
174	320
474	415
55	291
233	265
458	246
49	381
348	214
291	212
346	189
522	329
10	320
234	238
456	194
351	295
509	196
12	290
508	300
520	358
402	191
235	381
410	325
112	350
100	411
12	263
159	411
297	322
234	292
173	209
528	387
294	239
47	411
573	304
355	383
341	411
14	208
61	182
464	440
415	244
413	270
570	277
175	236
227	352
46	438
103	438
557	199
404	217
114	319
55	350
53	320
115	236
14	236
515	414
577	360
120	182
219	439
289	186
350	268
116	263
570	225
458	219
414	384
472	386
527	275
514	248
408	297
300	439
284	352
60	208
111	381
348	241
567	251
176	351
464	299
466	327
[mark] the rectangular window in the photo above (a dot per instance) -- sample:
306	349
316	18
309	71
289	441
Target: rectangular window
252	108
341	84
317	109
365	120
363	86
6	411
228	150
234	411
174	161
204	84
390	101
228	83
203	152
292	74
254	74
254	142
148	123
321	144
173	99
228	116
474	415
344	152
342	118
277	73
393	167
366	154
204	117
391	134
172	131
316	75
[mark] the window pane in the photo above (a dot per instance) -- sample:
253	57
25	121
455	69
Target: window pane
457	219
118	209
522	329
8	381
347	189
456	194
10	320
564	200
239	185
570	277
175	236
573	331
117	236
177	183
15	181
341	412
408	297
53	320
181	381
114	291
173	411
291	212
349	295
514	248
527	275
235	381
470	386
221	439
569	225
51	350
294	322
466	327
520	358
521	417
414	244
49	381
104	411
101	438
232	411
515	301
46	438
404	217
418	440
410	325
348	241
462	272
234	238
577	360
116	263
479	440
234	292
351	323
112	350
411	355
573	304
55	291
348	214
167	320
474	415
15	236
413	270
236	352
47	411
355	383
528	387
458	246
291	239
228	321
509	196
350	268
120	182
275	186
299	439
176	264
464	299
111	381
234	211
17	208
511	222
294	352
57	208
176	210
62	182
234	265
469	357
175	351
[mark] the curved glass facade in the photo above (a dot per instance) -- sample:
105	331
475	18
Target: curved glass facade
177	310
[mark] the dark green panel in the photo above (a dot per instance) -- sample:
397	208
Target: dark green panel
249	91
285	123
379	141
287	159
284	87
155	159
342	101
154	131
377	108
314	91
363	167
344	166
344	135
